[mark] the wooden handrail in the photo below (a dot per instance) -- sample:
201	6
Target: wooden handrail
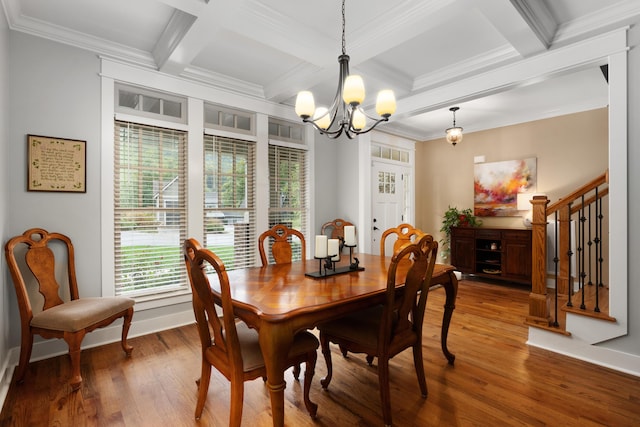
563	202
590	200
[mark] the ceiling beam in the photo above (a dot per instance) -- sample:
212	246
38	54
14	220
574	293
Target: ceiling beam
527	25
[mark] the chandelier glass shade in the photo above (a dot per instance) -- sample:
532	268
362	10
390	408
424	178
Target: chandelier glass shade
454	133
345	115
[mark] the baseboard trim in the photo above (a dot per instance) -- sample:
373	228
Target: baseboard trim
578	349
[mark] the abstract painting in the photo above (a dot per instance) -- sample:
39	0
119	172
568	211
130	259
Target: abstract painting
497	184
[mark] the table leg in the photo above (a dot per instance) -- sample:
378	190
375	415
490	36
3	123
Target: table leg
451	289
275	342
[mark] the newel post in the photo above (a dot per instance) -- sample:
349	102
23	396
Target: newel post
539	307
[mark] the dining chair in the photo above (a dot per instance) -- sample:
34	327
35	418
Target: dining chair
404	233
52	311
387	329
335	230
234	349
281	249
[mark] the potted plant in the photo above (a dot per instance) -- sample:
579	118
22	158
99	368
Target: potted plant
453	217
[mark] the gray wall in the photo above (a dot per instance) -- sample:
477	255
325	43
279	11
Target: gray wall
55	91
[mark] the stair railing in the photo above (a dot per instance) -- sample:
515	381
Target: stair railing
575	223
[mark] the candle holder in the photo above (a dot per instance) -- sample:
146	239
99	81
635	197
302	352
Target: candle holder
327	266
352	265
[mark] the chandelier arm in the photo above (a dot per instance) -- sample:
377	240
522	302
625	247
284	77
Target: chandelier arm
341	114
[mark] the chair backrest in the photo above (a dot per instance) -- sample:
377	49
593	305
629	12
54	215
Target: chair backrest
281	249
41	261
334	229
405	233
200	263
403	312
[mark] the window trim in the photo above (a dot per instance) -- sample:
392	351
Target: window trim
182	287
196	95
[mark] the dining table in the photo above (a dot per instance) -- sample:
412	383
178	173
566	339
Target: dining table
279	300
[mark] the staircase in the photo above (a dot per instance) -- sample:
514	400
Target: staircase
569	261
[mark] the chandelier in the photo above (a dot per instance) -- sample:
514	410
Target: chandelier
454	133
345	114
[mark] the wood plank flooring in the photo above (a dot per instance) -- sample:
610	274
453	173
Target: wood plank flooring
497	380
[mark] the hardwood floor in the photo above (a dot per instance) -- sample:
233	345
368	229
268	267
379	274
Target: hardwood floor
497	380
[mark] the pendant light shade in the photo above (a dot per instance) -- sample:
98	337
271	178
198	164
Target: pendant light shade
454	133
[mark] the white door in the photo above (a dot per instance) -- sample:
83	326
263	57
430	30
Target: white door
388	199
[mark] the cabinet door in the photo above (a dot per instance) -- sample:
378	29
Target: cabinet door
463	249
517	255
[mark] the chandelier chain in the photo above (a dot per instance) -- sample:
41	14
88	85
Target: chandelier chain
344	44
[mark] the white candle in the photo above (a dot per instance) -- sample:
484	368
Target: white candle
349	235
334	249
321	247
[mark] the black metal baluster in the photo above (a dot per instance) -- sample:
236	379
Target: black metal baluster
581	234
569	257
590	245
598	250
555	262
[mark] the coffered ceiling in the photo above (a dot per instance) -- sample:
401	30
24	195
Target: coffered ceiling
273	49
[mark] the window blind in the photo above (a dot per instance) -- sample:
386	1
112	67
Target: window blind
150	209
288	190
229	200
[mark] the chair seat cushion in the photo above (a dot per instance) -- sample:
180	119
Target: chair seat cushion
361	326
78	314
304	342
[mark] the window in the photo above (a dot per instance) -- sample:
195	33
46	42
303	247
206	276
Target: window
288	189
229	200
386	182
150	209
217	117
146	103
286	131
389	153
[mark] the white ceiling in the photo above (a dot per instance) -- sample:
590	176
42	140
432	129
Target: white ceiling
273	49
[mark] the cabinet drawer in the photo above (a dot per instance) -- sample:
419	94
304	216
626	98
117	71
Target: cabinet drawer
488	234
521	235
462	232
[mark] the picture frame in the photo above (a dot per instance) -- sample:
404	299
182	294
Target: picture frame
56	164
497	184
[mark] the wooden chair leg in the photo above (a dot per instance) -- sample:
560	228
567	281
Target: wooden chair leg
326	352
296	371
309	371
126	324
237	396
385	393
419	364
203	388
26	345
74	340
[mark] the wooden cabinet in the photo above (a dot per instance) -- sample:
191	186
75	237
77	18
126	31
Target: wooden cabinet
496	253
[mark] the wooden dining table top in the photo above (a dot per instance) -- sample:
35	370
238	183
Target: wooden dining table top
279	291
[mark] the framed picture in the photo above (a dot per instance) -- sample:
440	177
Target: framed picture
56	164
497	184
